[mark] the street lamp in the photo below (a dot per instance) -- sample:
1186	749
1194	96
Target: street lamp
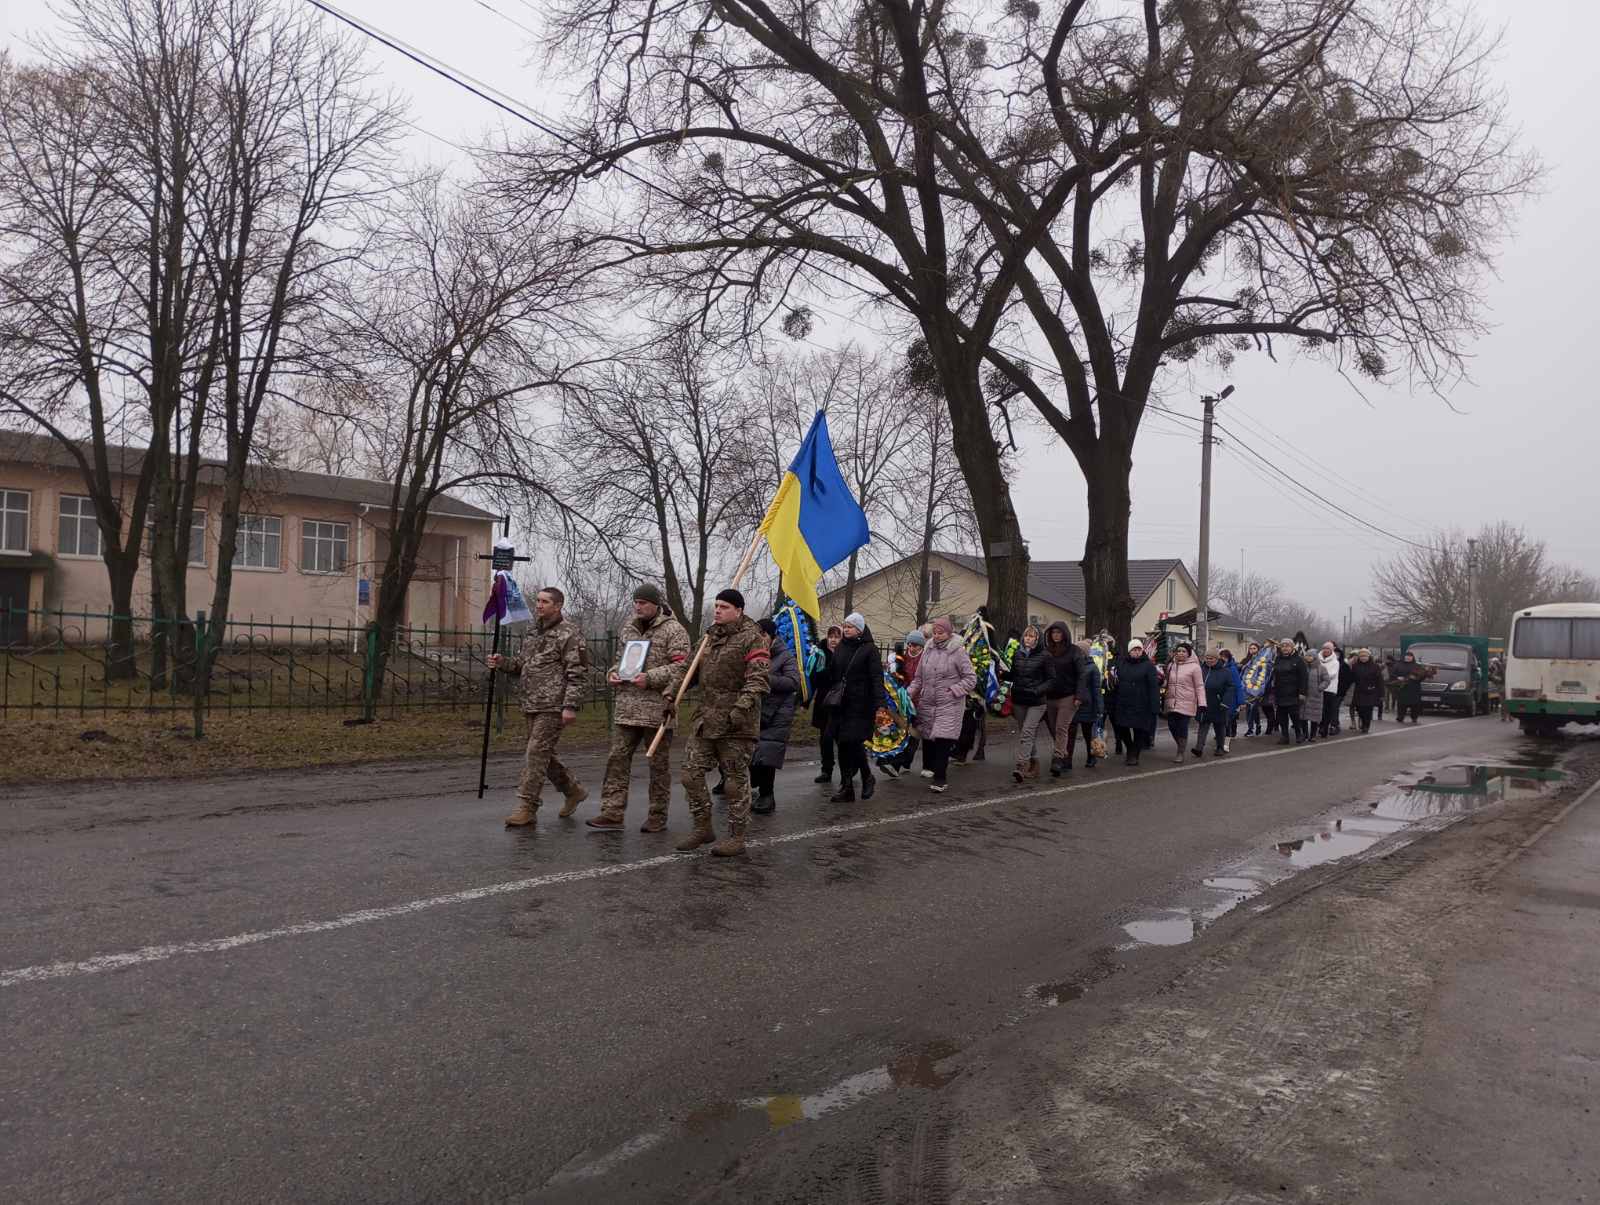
1202	616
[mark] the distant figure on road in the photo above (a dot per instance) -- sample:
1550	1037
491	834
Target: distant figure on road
641	703
857	685
777	717
1138	700
1091	708
1186	695
733	680
819	706
549	667
1408	696
1029	671
1366	691
939	694
1289	684
1222	699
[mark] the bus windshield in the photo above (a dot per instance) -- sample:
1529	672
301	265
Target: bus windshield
1441	656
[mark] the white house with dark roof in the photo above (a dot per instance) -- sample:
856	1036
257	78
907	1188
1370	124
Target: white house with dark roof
310	545
957	585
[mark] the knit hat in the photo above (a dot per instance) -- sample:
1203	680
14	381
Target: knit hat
648	592
915	636
730	595
943	626
1136	646
767	626
856	620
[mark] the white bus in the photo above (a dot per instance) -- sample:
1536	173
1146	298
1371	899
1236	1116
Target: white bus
1553	667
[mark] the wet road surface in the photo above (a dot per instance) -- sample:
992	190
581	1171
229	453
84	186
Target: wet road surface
357	985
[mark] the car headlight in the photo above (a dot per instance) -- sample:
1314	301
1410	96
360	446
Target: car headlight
1459	686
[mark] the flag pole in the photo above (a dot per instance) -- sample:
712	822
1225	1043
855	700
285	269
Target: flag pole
705	641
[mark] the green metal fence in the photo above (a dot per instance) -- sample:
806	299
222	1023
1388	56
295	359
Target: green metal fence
65	662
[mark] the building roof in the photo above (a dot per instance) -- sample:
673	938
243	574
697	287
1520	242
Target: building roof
1217	619
1060	583
25	447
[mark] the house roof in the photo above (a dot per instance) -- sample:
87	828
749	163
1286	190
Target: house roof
25	447
1217	619
1060	583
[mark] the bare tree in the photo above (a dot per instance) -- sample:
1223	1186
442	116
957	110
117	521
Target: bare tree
1252	598
1427	587
657	453
934	512
1117	188
454	326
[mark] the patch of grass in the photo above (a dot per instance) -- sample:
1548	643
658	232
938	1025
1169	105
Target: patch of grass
115	746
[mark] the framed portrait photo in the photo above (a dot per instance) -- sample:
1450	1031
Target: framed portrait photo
634	655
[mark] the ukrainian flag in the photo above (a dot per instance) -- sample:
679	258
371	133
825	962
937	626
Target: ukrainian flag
814	523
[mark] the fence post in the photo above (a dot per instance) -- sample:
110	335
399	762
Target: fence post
611	693
369	671
199	686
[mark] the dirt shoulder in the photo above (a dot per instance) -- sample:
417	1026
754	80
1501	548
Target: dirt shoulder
1275	1058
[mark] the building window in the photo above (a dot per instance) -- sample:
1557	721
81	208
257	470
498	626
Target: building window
260	542
197	537
934	583
1172	594
13	521
324	547
80	531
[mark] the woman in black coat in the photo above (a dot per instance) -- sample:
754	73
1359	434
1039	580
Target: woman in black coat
1366	678
820	681
859	669
777	717
1289	675
1138	700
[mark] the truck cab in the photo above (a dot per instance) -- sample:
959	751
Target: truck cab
1460	667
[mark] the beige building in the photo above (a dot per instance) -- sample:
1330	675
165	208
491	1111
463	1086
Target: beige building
887	599
309	550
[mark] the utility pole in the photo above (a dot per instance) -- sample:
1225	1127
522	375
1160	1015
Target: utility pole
1472	585
1202	618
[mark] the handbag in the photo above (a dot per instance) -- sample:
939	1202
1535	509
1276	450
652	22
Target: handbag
835	695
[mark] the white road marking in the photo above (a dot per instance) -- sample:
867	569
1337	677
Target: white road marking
366	916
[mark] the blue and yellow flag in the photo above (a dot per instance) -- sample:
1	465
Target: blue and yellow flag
814	523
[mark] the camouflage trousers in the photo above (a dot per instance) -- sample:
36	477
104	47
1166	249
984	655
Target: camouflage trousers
731	755
625	740
541	762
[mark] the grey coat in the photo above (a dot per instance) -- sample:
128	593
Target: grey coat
777	707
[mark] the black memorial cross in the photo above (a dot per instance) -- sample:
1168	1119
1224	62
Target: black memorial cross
502	558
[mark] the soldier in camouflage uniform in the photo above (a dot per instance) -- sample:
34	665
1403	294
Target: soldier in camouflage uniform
732	677
642	702
549	668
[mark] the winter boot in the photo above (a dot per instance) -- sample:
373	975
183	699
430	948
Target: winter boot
523	815
1033	769
606	821
1055	767
731	845
654	824
825	776
574	797
869	784
702	835
765	804
845	794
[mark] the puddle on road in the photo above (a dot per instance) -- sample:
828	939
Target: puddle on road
1429	797
916	1069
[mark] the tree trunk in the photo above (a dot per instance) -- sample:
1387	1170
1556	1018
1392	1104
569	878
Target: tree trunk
1108	600
850	583
1005	556
120	659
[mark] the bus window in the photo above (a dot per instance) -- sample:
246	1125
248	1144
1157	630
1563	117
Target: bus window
1550	639
1586	639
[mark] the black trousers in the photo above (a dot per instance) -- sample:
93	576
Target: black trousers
1364	715
1289	721
936	757
1412	709
825	747
762	778
853	758
1087	728
1131	739
1330	713
908	754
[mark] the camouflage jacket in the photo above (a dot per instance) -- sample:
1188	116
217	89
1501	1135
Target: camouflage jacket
663	670
732	678
549	667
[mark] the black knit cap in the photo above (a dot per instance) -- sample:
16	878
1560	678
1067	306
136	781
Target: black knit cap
730	595
648	592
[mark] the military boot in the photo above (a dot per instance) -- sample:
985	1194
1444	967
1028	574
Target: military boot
732	844
574	797
523	815
702	835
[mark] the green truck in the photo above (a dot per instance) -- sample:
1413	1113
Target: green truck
1460	667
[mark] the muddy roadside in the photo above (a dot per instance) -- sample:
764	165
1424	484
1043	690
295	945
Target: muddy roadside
1271	1058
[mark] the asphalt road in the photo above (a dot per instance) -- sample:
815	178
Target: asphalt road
357	985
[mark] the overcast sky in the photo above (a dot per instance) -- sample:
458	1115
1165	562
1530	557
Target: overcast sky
1520	444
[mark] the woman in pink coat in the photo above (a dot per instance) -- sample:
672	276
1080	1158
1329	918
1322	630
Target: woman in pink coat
938	692
1186	695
